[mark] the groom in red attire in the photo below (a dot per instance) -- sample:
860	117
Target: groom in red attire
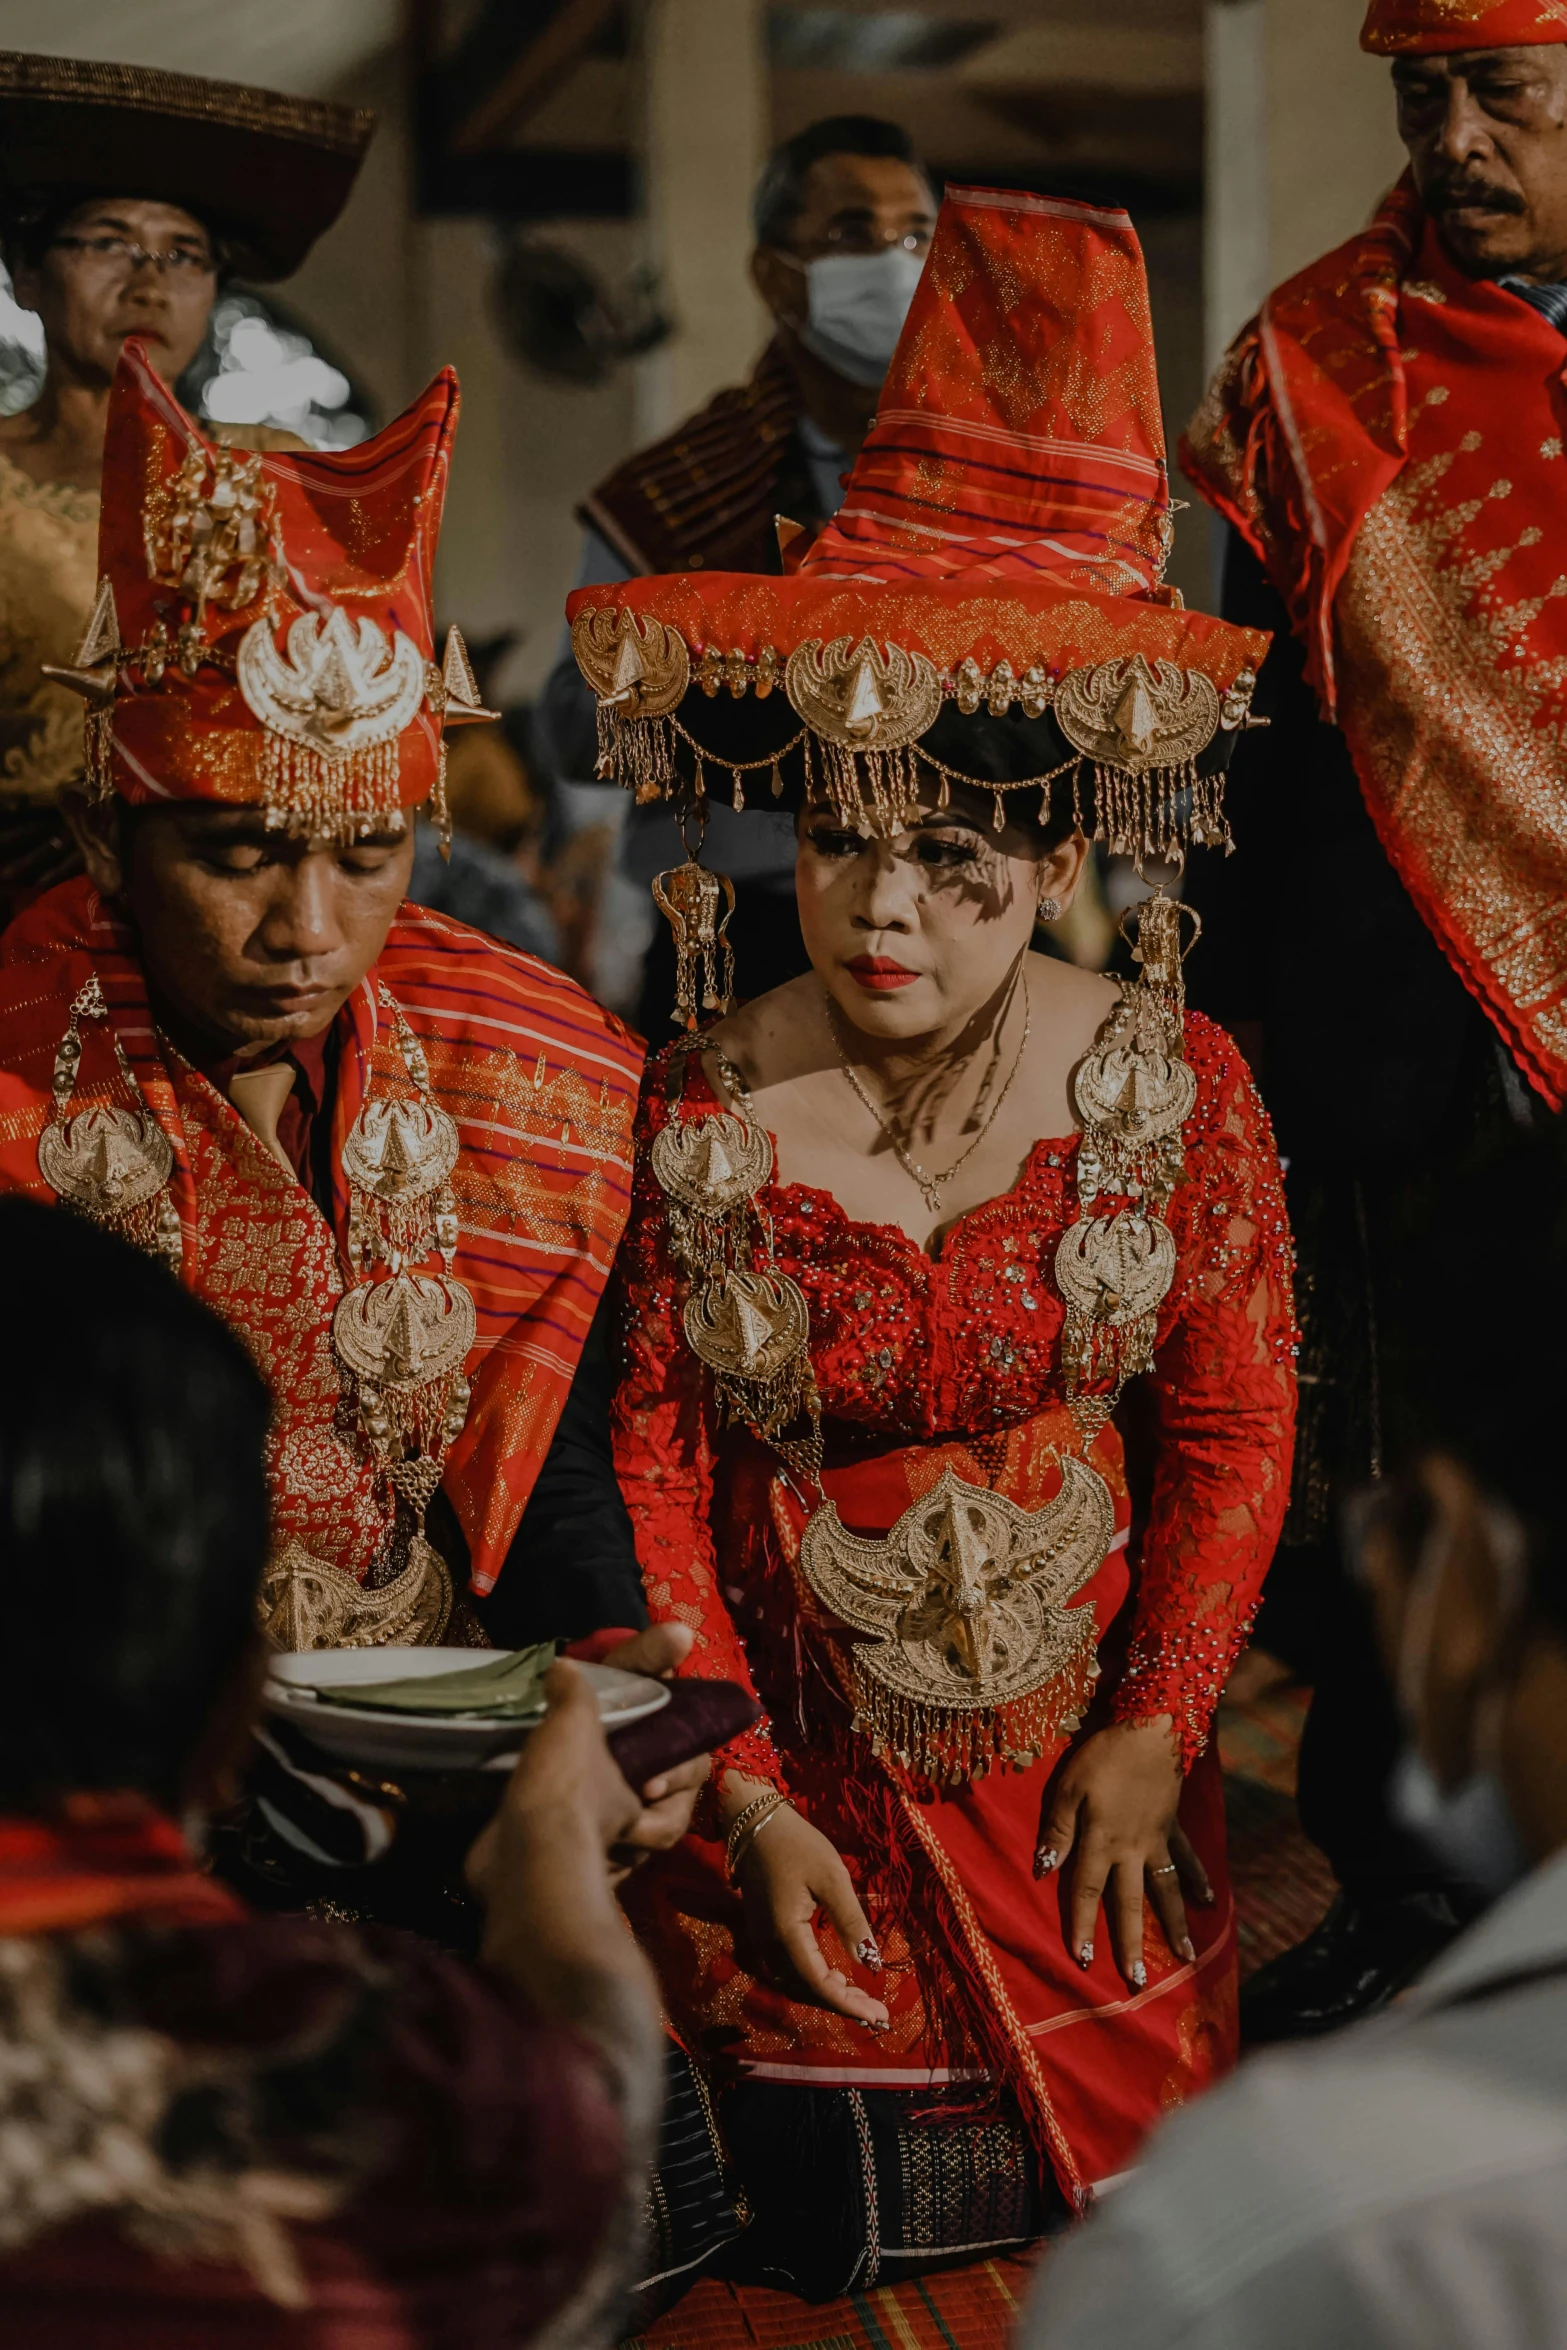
1386	442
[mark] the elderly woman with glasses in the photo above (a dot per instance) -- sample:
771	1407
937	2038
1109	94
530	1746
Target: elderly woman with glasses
125	196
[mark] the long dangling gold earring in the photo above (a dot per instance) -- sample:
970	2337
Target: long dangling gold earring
690	897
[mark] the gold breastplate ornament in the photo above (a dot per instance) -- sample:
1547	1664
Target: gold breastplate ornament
401	1331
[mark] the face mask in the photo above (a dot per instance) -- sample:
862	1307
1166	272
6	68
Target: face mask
1470	1830
857	304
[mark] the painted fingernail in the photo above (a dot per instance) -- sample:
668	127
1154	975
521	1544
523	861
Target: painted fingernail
1206	1897
868	1955
1046	1859
1137	1975
1085	1954
1187	1950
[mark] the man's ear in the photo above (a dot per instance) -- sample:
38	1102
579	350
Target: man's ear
95	826
781	284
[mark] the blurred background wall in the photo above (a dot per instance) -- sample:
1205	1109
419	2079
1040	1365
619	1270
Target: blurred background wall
551	177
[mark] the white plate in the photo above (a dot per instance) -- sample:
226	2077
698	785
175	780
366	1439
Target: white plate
299	1691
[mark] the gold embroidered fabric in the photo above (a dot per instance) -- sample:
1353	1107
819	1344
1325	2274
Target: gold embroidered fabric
48	575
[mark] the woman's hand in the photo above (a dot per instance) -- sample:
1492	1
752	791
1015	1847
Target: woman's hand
1114	1806
786	1874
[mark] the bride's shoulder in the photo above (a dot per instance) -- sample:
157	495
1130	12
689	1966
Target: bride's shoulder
1073	1003
765	1036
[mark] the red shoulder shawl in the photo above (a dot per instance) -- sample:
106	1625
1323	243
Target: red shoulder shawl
1388	436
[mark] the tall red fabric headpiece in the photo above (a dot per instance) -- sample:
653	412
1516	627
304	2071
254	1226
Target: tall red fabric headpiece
1418	28
263	634
1019	434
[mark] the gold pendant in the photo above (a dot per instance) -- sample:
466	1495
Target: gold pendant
1116	1269
712	1165
305	1603
748	1326
105	1160
405	1332
1137	1094
966	1596
401	1149
690	897
863	696
638	667
1126	714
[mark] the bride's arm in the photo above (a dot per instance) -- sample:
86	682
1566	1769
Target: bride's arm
1224	1395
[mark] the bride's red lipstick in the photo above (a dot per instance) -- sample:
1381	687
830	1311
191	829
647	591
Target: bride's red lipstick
879	973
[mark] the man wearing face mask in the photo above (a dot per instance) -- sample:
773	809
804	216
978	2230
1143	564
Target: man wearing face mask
843	216
1402	2187
1385	441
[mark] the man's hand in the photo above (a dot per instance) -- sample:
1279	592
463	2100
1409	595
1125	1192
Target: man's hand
669	1799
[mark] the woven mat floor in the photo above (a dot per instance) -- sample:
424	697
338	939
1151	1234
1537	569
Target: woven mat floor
1282	1887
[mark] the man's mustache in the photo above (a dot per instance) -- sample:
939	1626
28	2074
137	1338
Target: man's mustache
1457	195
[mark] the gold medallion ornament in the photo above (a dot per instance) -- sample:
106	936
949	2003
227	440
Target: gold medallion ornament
1133	1094
744	1320
639	670
332	703
110	1161
1145	725
307	1603
966	1600
864	706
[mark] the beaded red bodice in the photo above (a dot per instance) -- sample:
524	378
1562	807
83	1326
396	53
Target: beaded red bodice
968	1343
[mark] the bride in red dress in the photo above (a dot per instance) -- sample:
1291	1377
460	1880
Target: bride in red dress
957	1396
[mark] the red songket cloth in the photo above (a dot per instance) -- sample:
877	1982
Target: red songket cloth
1388	437
1424	28
103	1857
954	1362
271	2133
542	1085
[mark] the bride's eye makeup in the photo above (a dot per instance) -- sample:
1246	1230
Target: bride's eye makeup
948	851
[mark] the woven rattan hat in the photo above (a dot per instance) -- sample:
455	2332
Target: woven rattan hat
267	173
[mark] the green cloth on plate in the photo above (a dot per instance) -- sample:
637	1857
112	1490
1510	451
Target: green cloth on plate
508	1689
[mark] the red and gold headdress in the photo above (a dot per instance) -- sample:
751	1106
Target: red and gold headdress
998	557
263	633
1422	28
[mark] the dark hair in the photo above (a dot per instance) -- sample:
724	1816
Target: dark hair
1475	1357
780	192
133	1512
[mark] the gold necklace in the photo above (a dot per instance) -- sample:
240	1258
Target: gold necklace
931	1186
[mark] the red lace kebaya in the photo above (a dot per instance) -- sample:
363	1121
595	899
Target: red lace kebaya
925	1363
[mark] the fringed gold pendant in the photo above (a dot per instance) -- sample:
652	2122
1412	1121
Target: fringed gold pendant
697	904
976	1657
1133	1093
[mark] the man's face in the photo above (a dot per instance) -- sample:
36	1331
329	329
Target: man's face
248	936
123	267
853	204
1486	131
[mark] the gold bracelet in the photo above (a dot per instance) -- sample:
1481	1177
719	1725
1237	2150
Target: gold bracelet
754	1818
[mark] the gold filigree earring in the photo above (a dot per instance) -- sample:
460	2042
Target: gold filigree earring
697	903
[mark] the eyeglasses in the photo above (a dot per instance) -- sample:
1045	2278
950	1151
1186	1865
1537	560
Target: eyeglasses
848	237
124	253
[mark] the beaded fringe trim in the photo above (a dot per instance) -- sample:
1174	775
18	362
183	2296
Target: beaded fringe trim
942	1746
339	799
1154	816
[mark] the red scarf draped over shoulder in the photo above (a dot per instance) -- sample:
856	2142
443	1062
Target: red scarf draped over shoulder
1387	435
542	1084
99	1858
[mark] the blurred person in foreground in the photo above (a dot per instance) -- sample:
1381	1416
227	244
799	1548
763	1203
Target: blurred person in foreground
1385	442
1402	2185
218	2127
843	215
126	197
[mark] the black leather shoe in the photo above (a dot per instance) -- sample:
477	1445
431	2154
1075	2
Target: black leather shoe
1363	1953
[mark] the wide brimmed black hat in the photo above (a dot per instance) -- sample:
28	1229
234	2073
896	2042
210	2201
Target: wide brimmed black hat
266	172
